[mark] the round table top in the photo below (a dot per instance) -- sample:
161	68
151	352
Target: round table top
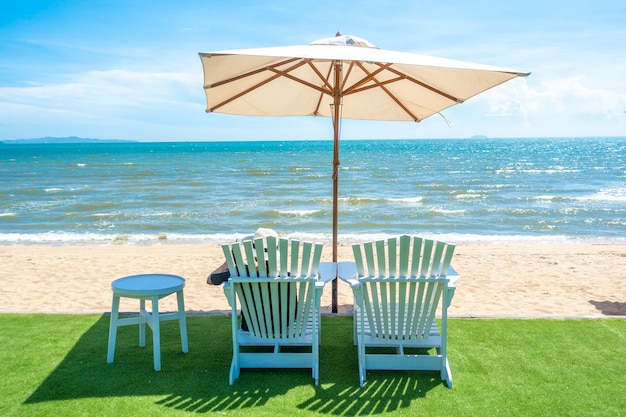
148	285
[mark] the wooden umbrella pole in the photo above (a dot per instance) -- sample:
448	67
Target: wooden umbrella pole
336	163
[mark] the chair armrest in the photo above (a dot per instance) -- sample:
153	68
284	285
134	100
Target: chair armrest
453	277
327	271
453	280
346	271
229	292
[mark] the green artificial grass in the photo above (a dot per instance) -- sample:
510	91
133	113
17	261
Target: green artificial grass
56	365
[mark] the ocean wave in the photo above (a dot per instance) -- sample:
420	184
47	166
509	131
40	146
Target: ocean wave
439	210
369	200
298	212
105	215
161	214
259	172
555	170
110	239
468	196
408	200
549	198
616	195
358	200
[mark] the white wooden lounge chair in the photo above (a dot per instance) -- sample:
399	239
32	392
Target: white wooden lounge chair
278	285
399	286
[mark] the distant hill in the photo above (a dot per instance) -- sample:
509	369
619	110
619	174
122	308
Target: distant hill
70	139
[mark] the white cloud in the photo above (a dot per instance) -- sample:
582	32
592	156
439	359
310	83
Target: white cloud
112	92
571	95
121	100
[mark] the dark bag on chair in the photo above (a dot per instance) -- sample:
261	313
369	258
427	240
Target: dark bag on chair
220	275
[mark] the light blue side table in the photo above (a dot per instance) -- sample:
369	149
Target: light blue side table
144	287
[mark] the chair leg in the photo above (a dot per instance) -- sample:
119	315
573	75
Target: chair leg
234	373
182	321
446	374
361	357
113	328
354	327
315	353
234	366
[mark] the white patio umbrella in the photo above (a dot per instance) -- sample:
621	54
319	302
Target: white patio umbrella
341	77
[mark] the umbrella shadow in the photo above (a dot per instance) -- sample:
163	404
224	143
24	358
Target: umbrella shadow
198	381
610	308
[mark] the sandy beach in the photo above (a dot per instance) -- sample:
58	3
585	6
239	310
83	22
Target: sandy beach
503	280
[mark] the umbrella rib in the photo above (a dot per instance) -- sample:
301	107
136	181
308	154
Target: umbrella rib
249	74
370	77
424	85
271	68
319	74
381	85
401	76
346	77
243	93
316	112
299	80
376	84
402	106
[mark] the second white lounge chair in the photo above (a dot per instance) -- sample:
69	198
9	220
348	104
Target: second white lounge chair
399	286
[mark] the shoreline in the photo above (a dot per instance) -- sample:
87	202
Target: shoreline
176	239
524	280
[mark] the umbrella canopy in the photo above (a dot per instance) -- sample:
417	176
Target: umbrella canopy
341	77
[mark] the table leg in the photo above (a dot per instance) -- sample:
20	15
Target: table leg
113	328
142	322
182	320
156	333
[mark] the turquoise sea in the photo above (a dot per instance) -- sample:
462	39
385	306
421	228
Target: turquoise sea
462	191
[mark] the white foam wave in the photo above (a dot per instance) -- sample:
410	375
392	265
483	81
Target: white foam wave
95	239
468	196
103	215
616	195
409	200
298	212
555	170
160	214
439	210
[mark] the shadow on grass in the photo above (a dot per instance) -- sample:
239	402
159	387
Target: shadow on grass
198	381
383	392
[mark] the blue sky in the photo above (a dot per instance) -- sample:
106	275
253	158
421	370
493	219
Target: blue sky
129	69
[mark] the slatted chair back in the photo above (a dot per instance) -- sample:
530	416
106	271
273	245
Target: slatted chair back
274	280
402	283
